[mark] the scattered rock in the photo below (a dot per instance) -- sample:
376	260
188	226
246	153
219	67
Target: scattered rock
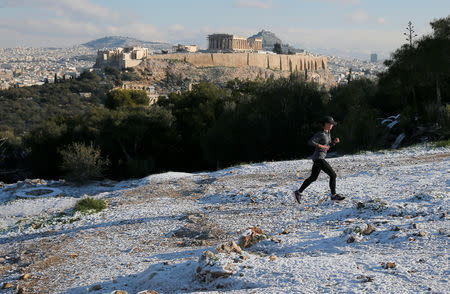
369	230
228	248
212	267
119	292
96	287
285	232
365	279
73	255
148	292
414	226
412	239
351	239
36	181
444	215
25	277
408	217
360	205
388	265
395	229
421	234
21	290
252	236
272	258
7	285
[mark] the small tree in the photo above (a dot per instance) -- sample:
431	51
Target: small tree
126	98
82	162
349	76
410	33
277	48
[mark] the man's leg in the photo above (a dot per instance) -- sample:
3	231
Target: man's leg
325	166
314	174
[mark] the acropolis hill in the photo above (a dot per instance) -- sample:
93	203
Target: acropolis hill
244	58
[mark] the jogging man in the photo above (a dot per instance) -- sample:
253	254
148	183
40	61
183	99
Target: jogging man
322	142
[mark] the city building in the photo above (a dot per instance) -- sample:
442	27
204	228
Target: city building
373	57
121	57
185	48
28	66
149	90
232	43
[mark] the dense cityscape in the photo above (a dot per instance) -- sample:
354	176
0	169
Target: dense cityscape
34	66
340	68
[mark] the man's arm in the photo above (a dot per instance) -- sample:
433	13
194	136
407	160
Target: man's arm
335	141
316	140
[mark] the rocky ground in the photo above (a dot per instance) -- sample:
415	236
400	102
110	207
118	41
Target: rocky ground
173	75
238	230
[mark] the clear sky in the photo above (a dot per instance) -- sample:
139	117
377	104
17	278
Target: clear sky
349	25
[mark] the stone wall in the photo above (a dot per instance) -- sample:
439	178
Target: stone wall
271	61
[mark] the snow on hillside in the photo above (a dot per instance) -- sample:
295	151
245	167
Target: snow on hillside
390	235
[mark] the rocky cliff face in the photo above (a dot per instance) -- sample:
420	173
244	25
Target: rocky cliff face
173	75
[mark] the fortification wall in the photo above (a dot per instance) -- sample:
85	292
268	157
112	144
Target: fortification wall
271	61
259	60
230	59
199	59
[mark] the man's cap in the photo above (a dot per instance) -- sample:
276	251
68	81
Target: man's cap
329	119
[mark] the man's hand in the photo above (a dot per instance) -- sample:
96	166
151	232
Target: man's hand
323	147
336	140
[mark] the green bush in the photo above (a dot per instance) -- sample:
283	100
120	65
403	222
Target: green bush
444	143
90	204
82	162
122	98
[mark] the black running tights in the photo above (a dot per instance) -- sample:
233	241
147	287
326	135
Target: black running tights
319	165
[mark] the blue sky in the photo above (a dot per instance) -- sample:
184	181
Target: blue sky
349	25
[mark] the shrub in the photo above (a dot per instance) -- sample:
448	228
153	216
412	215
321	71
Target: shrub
444	143
90	204
124	98
82	162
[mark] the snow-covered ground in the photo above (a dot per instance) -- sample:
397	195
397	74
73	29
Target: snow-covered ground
155	230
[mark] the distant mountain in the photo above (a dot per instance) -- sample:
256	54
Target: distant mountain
270	39
117	41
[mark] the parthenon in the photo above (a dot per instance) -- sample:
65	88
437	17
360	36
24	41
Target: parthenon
232	43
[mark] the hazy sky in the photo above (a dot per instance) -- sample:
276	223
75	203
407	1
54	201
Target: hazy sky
358	25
